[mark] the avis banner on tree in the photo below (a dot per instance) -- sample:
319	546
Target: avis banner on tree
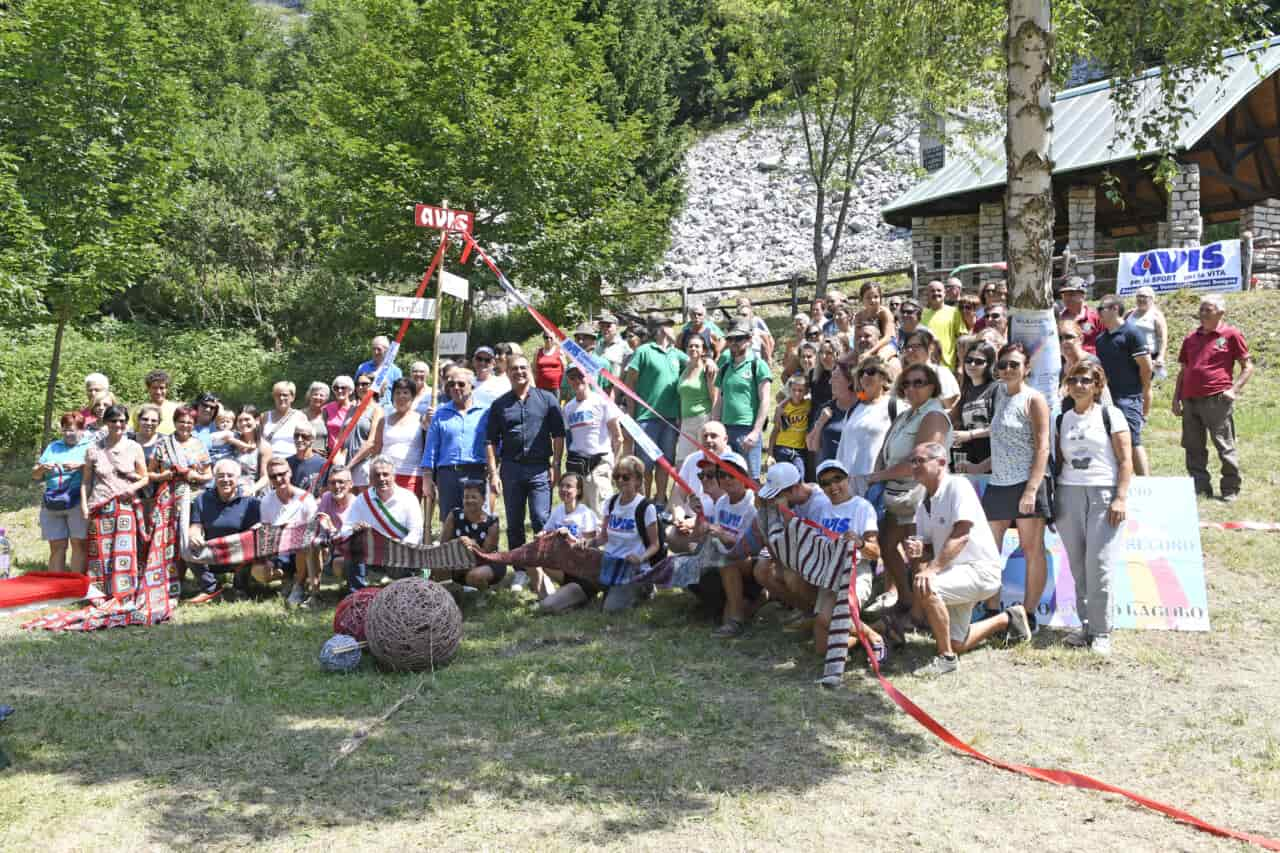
1212	267
429	216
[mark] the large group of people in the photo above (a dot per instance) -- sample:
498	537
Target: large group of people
879	408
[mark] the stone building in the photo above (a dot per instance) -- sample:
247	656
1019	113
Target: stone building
1228	160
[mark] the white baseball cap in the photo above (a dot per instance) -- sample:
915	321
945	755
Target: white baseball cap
832	464
729	456
781	476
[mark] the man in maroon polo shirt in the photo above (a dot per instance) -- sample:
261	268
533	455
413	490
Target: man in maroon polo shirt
1205	394
1075	308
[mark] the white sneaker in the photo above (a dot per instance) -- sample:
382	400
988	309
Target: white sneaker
1101	645
519	581
1077	639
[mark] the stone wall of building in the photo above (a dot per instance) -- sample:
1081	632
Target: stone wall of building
941	243
1185	224
1263	219
1081	231
990	238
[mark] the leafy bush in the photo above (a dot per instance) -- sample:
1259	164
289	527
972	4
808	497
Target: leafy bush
231	363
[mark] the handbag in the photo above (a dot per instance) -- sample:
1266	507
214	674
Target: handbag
62	498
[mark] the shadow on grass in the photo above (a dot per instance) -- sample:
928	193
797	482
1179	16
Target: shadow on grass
226	719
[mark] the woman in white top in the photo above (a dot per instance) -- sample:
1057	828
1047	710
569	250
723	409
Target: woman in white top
867	422
278	424
574	521
1018	492
1148	317
402	436
921	347
923	421
1093	483
625	551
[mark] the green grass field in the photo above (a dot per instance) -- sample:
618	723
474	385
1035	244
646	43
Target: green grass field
218	731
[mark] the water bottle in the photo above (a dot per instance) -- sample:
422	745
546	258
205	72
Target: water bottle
6	554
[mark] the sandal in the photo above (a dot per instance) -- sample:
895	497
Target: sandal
730	629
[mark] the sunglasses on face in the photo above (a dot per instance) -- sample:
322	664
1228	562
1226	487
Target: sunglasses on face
621	478
831	481
995	316
278	475
916	383
1009	364
869	371
1068	337
976	362
455	384
482	359
1080	380
303	435
812	336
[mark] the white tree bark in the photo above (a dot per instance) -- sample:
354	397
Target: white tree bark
1029	193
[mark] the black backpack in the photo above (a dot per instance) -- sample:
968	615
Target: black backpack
643	529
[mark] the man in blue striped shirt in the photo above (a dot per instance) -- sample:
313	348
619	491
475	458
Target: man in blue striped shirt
455	447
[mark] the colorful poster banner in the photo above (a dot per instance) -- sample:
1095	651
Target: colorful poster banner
1211	268
1037	330
1161	586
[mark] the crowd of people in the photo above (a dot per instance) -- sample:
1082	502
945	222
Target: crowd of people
880	405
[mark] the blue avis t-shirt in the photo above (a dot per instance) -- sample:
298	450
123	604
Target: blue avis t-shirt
1116	351
57	453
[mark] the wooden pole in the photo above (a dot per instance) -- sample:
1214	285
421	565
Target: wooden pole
1246	260
428	501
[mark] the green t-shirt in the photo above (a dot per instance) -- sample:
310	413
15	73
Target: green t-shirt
657	378
947	326
739	386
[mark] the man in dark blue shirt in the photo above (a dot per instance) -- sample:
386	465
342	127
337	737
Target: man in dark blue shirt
525	430
221	511
1122	349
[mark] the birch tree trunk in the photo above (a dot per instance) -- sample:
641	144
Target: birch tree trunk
1028	198
1029	195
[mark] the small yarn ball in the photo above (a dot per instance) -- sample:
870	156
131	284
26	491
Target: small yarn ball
414	624
352	612
340	653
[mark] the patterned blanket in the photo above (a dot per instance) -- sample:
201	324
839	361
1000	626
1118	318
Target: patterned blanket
257	544
825	562
370	547
551	552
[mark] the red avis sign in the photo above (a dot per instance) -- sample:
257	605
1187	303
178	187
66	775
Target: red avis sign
443	219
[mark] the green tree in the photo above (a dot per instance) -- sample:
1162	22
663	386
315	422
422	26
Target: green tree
97	124
857	74
494	106
23	253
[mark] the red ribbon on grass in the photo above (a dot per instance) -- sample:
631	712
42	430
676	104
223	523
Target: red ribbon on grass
1057	777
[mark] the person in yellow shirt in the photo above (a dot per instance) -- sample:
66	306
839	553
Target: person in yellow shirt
945	321
791	425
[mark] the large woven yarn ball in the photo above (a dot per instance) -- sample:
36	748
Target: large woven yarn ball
414	624
352	612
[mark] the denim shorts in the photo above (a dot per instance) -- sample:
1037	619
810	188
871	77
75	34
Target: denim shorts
664	435
1132	409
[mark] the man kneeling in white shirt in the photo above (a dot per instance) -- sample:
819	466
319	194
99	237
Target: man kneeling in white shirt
391	510
285	505
956	564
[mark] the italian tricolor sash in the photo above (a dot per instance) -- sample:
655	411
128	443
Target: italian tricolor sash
382	515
